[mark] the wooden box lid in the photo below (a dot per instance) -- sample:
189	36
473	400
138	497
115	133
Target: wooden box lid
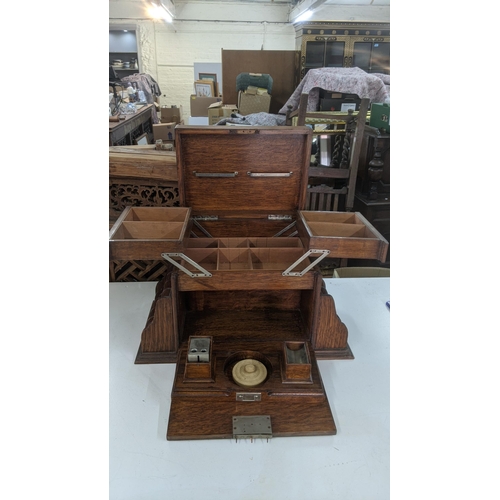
225	168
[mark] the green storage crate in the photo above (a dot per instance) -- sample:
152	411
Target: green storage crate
380	116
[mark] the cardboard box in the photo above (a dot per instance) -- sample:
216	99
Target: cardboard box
362	272
171	114
248	104
199	105
380	116
164	131
217	111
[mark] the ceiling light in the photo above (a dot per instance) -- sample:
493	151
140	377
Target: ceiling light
304	16
159	11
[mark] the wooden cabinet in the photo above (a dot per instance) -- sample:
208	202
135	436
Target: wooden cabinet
335	44
243	309
373	183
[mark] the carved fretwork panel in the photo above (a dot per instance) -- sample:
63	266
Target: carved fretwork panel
137	270
125	193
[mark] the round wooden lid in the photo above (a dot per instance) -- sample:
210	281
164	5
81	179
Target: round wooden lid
249	372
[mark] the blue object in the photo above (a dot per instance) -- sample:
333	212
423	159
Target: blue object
388	304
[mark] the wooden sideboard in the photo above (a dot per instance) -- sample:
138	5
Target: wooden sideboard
343	44
124	132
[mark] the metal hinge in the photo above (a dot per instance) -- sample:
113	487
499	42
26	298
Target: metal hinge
255	426
279	217
205	217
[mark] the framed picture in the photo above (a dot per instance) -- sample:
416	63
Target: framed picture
204	88
142	140
208	76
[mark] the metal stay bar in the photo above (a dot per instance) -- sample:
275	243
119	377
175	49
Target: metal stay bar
206	274
203	272
323	254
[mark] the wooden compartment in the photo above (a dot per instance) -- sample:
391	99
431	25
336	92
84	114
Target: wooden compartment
241	258
345	234
296	366
158	214
149	230
234	259
143	233
206	411
278	259
200	370
205	257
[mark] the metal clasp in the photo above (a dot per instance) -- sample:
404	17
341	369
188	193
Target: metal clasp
255	426
248	396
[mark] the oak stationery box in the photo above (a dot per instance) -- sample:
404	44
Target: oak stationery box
243	310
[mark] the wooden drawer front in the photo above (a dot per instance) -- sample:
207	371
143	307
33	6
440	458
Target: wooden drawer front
142	233
244	264
346	234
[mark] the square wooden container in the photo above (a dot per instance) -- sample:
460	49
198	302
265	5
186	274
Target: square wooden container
146	232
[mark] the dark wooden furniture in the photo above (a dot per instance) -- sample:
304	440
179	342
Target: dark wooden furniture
125	131
377	211
282	65
374	172
347	44
140	176
373	198
244	284
342	142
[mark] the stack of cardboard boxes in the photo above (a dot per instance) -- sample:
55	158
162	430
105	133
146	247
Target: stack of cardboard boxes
206	101
170	116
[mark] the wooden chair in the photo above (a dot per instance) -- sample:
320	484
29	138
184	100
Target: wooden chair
327	183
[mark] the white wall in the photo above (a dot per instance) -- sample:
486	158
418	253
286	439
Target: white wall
202	29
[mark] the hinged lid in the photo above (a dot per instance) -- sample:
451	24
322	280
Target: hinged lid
222	168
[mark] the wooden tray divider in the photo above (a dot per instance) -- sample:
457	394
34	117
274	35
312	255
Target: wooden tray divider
202	243
233	259
158	214
149	230
340	230
205	257
277	258
233	242
331	217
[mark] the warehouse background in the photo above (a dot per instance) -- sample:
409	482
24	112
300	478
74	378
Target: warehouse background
203	28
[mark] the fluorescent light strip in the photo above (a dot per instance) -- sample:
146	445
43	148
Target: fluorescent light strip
304	16
159	11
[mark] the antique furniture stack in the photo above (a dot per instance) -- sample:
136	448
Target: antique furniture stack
243	309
